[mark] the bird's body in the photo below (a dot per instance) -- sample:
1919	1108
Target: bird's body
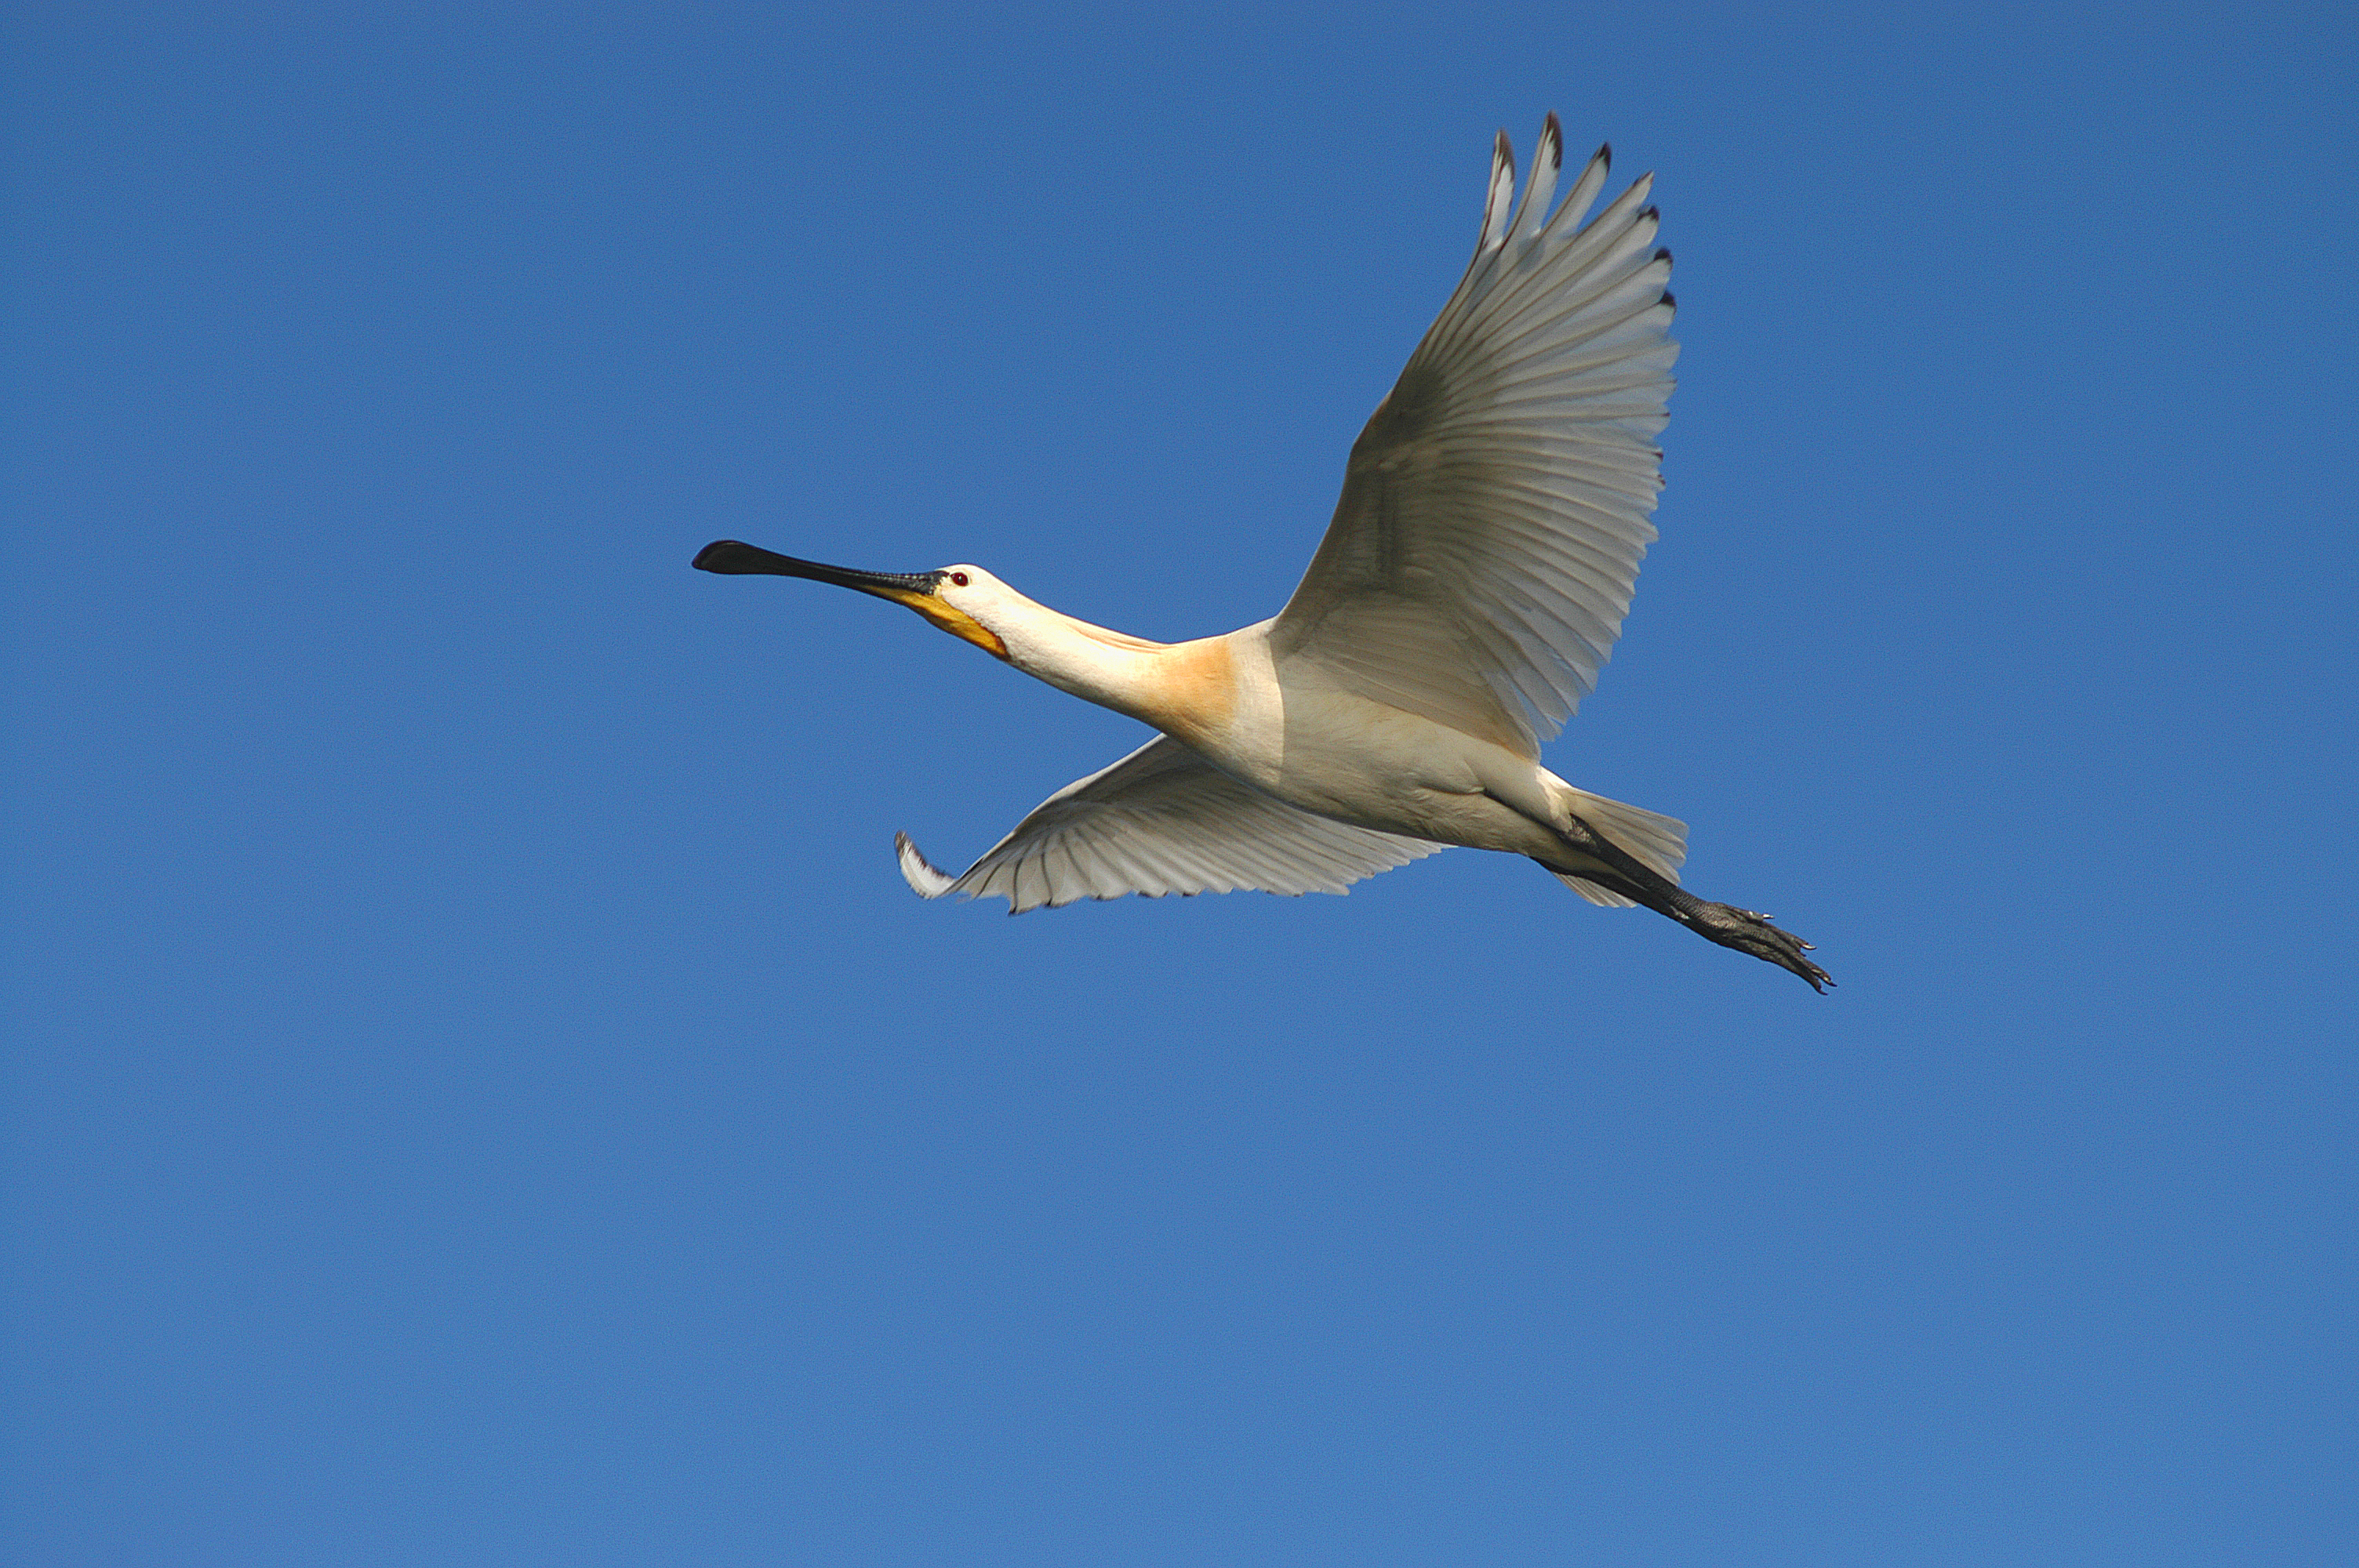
1282	727
1471	585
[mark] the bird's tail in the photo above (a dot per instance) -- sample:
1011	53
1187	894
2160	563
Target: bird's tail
1659	842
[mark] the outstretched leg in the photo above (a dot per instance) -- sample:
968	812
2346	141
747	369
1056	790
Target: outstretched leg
1725	923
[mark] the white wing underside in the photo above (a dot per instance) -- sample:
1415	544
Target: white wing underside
1163	820
1496	504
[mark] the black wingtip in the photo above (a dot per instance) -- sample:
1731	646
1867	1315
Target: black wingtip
1662	253
1552	137
1670	302
1605	155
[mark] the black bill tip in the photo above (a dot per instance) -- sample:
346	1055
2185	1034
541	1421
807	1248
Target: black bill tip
735	559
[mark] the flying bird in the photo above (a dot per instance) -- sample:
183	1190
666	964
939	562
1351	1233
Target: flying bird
1470	587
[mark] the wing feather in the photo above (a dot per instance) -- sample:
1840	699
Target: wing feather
1163	820
1548	162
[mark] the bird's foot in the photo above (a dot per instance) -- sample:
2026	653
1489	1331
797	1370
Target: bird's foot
1749	932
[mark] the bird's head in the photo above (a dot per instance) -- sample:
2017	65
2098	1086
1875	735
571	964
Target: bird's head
961	599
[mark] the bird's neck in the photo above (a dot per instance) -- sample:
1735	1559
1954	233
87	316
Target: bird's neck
1180	688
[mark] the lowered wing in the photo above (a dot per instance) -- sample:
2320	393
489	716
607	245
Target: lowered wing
1163	820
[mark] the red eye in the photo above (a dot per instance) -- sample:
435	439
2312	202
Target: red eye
958	578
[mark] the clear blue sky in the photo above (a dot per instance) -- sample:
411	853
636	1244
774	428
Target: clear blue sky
482	1094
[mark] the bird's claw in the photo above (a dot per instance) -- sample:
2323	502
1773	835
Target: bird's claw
1749	931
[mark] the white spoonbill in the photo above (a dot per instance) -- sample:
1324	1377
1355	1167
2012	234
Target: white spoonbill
1471	583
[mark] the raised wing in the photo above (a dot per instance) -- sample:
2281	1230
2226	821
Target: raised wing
1497	505
1164	821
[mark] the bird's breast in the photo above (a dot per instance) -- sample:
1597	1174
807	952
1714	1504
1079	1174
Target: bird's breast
1190	692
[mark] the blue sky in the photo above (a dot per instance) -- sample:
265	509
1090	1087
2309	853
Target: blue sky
482	1094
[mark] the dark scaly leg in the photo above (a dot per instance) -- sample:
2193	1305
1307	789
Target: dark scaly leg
1742	929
